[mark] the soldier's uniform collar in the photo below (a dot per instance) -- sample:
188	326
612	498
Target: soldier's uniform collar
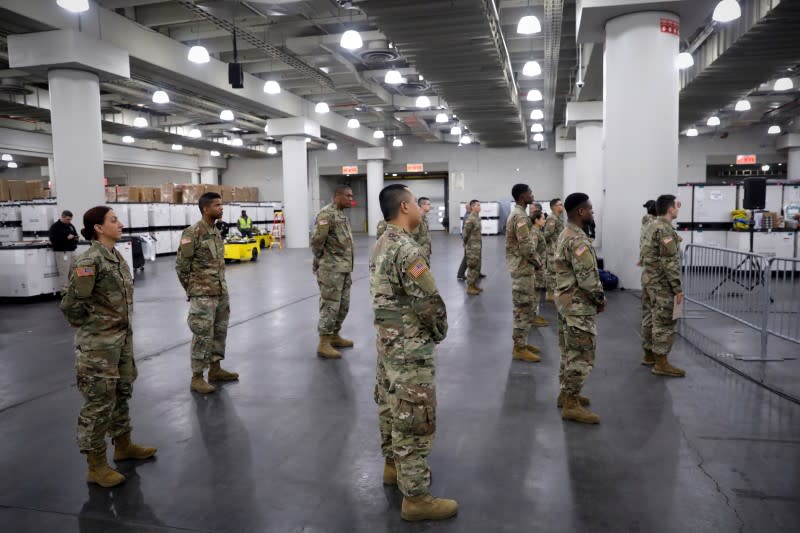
395	227
574	227
206	226
519	207
108	254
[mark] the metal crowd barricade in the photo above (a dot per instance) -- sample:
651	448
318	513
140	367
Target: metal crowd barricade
760	292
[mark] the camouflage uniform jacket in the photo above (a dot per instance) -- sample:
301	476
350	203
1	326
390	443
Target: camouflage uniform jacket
99	299
661	257
578	288
405	299
539	244
471	234
332	241
422	236
201	261
646	220
521	257
381	229
553	227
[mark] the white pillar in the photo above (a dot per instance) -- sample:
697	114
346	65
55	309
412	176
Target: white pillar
640	121
209	176
793	163
374	186
589	169
77	139
295	191
568	188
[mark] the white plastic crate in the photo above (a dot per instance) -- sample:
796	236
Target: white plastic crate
158	215
139	215
38	217
28	271
490	226
10	213
10	233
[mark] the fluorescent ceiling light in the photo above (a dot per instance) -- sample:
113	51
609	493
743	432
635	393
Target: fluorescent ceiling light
397	143
325	69
465	139
351	40
538	138
353	123
764	168
685	60
7	157
535	95
528	25
441	118
74	6
127	139
213	153
198	54
322	107
195	133
12	165
783	84
742	105
308	140
423	101
537	128
537	114
713	121
455	130
691	132
177	147
726	11
272	87
531	68
332	146
140	122
226	114
378	134
272	150
774	130
160	97
236	141
393	77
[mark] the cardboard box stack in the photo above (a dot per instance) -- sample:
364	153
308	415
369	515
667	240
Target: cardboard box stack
171	193
22	190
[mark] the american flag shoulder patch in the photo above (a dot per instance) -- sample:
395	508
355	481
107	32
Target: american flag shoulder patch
520	224
84	271
418	268
581	250
667	240
185	241
323	222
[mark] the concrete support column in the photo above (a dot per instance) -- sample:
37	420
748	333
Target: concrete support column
209	176
569	186
793	163
295	191
640	119
589	169
374	186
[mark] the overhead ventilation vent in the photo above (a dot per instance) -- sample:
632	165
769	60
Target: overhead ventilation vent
378	53
413	86
13	86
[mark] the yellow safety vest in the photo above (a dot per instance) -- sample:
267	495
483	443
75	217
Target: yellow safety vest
245	223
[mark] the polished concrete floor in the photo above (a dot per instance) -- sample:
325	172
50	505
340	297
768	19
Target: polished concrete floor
294	445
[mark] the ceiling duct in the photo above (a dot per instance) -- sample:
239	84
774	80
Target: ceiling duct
377	53
14	86
413	86
553	20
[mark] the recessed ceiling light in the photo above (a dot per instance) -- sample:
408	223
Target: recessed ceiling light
685	60
127	139
160	97
272	150
12	165
764	168
353	123
213	153
537	114
441	118
528	25
538	138
537	128
392	77
308	140
397	142
726	11
783	84
226	114
742	105
465	139
423	101
351	40
531	68
237	141
195	133
7	157
774	130
325	69
332	146
455	130
713	121
534	95
198	54
378	134
140	122
74	6
177	147
691	132
322	107
272	87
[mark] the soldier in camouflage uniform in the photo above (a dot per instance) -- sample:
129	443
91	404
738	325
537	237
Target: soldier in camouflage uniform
552	229
200	265
522	262
381	229
540	246
410	319
647	319
661	283
99	302
332	245
579	297
471	235
422	233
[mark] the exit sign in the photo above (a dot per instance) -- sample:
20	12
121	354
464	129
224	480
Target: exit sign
414	167
348	171
670	26
746	159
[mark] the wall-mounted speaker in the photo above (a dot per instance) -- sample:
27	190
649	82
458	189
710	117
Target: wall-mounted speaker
755	193
236	75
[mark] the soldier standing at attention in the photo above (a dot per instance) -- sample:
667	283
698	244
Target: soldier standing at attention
553	227
332	245
647	319
422	234
471	236
99	302
538	219
579	297
410	319
522	262
661	282
381	229
201	270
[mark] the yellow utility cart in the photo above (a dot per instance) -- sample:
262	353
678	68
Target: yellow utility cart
263	240
239	249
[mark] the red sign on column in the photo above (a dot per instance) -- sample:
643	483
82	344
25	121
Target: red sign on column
670	26
746	159
349	170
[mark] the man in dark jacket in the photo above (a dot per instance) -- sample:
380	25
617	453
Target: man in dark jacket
64	238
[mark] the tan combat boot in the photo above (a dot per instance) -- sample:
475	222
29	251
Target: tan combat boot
337	341
582	399
100	472
522	353
200	385
472	290
326	350
125	449
663	368
649	358
426	507
217	373
533	349
389	472
573	410
539	322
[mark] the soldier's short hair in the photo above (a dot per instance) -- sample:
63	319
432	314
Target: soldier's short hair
473	202
537	215
390	199
422	199
650	205
207	199
66	213
518	190
555	202
536	206
341	187
663	203
573	201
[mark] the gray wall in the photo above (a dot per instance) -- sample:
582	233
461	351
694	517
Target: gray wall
138	176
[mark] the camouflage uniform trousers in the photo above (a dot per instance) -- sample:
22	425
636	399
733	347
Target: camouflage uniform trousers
334	300
105	379
208	321
473	257
662	328
647	321
405	393
550	273
577	341
524	298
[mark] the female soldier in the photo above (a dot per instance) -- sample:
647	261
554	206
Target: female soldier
99	302
540	245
